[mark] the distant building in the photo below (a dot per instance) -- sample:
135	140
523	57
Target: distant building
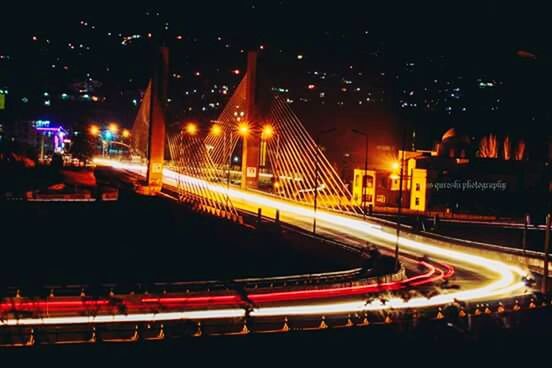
471	185
454	145
369	178
383	188
42	135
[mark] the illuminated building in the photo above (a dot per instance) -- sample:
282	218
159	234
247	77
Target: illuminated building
382	186
369	178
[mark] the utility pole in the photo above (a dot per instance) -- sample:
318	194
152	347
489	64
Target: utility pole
365	174
42	148
400	201
524	235
276	168
546	249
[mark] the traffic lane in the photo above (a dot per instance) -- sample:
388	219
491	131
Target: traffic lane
506	279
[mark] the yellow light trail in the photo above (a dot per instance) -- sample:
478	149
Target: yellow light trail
502	279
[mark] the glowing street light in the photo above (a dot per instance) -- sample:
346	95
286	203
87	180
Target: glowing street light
126	133
191	128
216	130
94	130
268	132
395	166
113	128
243	129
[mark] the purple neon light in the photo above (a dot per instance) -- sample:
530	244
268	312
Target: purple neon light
49	129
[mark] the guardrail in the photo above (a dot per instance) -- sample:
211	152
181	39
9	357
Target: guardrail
337	277
469	320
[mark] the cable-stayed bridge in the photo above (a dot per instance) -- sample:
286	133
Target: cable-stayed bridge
258	156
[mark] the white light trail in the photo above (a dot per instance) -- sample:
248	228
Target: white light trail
121	318
502	279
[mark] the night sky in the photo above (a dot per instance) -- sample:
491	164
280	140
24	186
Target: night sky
407	27
462	43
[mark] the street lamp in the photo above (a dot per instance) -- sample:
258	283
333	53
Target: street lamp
216	130
113	128
243	129
94	130
126	133
268	132
107	137
400	197
191	128
317	174
365	173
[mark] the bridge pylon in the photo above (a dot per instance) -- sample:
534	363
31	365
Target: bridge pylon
157	125
252	138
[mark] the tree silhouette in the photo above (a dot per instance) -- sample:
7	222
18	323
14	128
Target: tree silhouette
82	147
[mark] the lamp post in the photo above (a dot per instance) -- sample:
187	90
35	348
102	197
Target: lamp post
94	131
276	169
365	173
217	129
108	136
317	174
229	162
243	130
400	199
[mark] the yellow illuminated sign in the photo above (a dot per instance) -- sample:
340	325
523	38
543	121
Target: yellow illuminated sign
2	101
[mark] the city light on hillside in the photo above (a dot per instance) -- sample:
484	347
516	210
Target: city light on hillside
152	142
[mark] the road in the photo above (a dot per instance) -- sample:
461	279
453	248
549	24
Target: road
479	278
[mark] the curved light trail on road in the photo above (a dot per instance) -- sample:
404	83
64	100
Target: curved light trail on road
502	279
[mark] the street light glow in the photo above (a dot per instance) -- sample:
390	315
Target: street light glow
268	131
126	133
243	129
191	128
395	165
502	278
113	128
216	130
94	130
